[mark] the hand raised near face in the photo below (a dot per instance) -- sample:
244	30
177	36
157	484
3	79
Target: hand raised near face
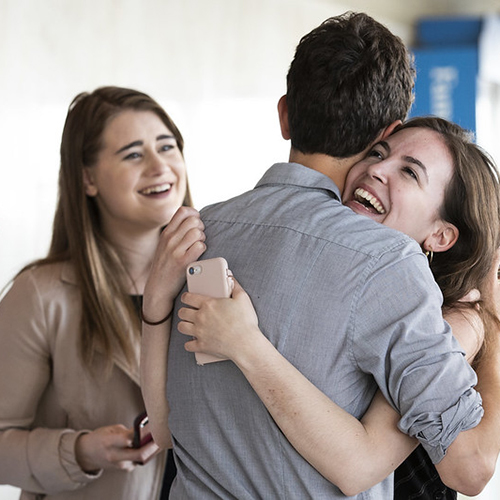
181	243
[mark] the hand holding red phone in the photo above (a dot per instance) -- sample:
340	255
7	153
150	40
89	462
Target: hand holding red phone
143	438
110	447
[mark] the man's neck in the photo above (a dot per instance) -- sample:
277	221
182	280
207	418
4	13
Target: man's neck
334	168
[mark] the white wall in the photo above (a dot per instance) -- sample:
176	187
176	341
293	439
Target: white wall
218	68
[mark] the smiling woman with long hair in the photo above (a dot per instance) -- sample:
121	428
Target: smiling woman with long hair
69	325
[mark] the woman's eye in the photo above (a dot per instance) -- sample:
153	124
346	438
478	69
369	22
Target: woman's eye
132	156
410	172
167	147
375	154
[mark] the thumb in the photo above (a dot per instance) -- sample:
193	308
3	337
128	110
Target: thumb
246	307
237	289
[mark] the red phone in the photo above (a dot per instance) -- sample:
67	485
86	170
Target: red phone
142	435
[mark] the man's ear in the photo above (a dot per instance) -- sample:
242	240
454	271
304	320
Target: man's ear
88	182
388	130
283	116
442	239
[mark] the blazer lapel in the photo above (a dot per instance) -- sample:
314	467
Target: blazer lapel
68	276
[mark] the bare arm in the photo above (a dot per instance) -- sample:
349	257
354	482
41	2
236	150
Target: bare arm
154	352
471	458
181	243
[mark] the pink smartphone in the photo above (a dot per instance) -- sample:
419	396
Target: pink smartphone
210	277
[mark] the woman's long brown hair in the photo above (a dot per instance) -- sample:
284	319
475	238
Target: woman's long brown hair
109	321
472	205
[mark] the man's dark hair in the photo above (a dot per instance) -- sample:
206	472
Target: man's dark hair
350	78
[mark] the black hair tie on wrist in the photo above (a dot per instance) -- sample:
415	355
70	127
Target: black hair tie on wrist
155	323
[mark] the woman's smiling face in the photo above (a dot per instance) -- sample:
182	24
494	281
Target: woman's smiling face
139	179
402	181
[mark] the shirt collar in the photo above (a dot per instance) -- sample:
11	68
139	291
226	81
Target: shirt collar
299	175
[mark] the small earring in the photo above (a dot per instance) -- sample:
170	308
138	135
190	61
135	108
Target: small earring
430	255
91	190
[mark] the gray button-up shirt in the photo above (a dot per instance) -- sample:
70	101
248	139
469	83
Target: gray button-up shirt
352	304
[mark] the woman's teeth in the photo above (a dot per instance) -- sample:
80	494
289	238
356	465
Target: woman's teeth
157	189
366	198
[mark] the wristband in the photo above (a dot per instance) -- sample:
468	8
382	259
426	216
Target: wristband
155	323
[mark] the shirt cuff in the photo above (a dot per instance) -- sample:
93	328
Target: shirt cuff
68	459
437	439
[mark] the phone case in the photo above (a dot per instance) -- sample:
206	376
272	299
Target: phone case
142	435
210	277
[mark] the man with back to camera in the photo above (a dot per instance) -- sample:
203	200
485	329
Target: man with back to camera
291	243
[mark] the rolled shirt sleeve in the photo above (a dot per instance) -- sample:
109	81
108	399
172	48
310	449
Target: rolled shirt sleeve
412	354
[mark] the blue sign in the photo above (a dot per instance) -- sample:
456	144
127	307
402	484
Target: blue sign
446	84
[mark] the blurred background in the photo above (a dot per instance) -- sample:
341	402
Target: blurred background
219	69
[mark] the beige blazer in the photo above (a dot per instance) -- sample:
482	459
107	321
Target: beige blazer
47	397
